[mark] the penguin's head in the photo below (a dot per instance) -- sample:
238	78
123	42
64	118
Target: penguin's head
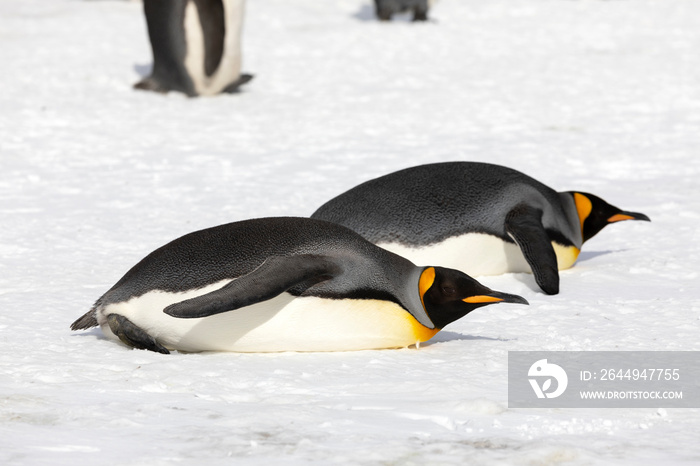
448	295
594	214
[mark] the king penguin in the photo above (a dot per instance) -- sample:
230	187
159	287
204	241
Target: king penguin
480	218
196	46
282	284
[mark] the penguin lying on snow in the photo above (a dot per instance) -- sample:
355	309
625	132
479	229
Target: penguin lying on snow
282	284
479	218
196	46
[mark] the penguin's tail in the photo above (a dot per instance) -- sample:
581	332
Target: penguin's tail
88	320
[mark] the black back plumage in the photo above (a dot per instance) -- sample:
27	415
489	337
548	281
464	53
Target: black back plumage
229	251
430	203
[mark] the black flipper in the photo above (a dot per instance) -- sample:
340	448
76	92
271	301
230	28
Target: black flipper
132	335
275	276
524	224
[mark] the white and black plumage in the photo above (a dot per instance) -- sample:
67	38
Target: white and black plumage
281	284
480	218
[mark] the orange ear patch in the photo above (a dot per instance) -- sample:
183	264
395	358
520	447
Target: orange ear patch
425	282
619	218
481	299
583	207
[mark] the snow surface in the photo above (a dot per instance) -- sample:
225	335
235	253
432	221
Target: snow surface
600	96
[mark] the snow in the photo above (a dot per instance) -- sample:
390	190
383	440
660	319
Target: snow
599	96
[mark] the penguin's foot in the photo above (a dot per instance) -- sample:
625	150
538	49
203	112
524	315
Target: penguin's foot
384	14
420	15
150	84
132	335
233	87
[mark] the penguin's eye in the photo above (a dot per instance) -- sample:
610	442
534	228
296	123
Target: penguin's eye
448	290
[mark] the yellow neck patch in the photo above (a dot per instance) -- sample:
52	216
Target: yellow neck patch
422	333
425	282
583	206
566	255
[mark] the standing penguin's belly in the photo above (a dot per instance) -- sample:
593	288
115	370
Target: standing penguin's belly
284	323
478	254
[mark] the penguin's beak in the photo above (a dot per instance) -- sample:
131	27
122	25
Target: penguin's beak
495	297
628	216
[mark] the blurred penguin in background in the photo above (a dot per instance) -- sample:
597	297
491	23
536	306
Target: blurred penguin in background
387	8
196	46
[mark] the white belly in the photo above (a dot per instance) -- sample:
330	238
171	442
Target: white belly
284	323
477	254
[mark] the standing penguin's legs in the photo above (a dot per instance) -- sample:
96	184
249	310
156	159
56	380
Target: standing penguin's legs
165	20
420	11
385	9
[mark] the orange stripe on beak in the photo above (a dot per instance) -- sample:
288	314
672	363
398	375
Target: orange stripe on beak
619	218
481	299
